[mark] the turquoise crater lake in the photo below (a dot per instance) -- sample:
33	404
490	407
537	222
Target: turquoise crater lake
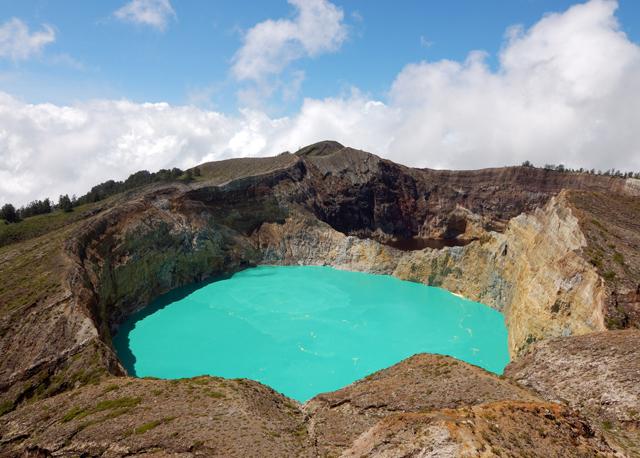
306	330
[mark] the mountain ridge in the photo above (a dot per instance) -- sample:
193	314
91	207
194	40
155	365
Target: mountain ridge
533	243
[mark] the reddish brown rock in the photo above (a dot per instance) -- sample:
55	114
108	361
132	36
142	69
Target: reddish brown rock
63	294
505	429
422	383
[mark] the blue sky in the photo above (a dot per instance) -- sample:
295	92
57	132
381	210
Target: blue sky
96	90
95	55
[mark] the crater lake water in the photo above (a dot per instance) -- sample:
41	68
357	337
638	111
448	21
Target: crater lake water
306	330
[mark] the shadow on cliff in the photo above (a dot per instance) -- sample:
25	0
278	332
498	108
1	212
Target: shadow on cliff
121	341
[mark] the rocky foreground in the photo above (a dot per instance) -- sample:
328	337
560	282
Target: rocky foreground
427	405
557	253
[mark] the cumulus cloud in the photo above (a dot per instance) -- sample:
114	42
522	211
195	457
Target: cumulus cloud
18	43
565	90
48	149
154	13
271	45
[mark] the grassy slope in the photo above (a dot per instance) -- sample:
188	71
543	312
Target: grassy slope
220	172
30	251
31	256
27	272
38	225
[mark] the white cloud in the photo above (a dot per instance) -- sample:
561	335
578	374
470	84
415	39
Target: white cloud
47	149
424	42
291	88
18	43
202	96
66	60
271	45
154	13
566	90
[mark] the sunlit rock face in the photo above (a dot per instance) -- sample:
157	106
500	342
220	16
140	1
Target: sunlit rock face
531	271
556	253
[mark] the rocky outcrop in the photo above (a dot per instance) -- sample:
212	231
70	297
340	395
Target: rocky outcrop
427	405
358	193
541	246
493	429
611	226
422	383
597	374
119	417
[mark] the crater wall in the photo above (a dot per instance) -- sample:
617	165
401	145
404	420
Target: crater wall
532	271
538	245
518	248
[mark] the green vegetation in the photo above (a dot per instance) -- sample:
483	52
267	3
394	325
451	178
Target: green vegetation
65	204
619	258
30	275
152	424
36	226
116	403
36	207
135	180
73	413
120	406
8	213
112	387
5	407
596	261
563	169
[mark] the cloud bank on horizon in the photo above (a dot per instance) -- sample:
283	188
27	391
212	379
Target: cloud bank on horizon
565	90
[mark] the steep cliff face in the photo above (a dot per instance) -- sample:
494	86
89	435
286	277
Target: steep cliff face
358	193
543	247
130	255
554	290
532	271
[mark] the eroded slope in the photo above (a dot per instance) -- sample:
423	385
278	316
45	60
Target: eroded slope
506	429
422	383
597	374
63	294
